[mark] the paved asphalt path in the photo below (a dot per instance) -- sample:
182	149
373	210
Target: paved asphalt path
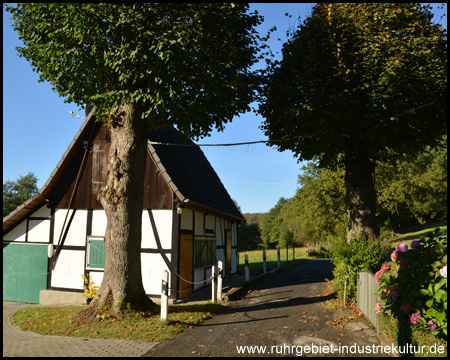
283	312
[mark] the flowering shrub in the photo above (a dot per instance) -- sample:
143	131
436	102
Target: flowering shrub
90	289
415	285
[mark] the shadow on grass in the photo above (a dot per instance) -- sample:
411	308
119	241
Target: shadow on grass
257	267
430	227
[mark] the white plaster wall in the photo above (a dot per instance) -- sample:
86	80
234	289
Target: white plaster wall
77	230
198	223
152	268
68	270
198	277
97	277
38	230
186	219
44	211
210	222
220	255
163	221
17	233
98	223
220	230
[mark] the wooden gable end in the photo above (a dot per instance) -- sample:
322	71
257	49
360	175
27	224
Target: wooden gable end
92	172
157	194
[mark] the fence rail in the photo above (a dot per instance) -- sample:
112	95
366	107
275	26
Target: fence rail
366	298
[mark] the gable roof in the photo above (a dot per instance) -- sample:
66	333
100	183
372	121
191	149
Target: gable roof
185	169
189	173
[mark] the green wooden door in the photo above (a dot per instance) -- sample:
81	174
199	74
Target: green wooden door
24	272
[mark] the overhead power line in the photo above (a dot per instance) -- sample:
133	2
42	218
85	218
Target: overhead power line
231	144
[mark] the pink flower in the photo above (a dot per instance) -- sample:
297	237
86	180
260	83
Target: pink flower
378	308
406	308
432	327
395	255
402	248
414	318
415	244
443	271
384	269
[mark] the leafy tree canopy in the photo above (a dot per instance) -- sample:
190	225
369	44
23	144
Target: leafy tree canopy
414	190
16	192
186	63
356	71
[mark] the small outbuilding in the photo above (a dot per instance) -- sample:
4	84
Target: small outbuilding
189	221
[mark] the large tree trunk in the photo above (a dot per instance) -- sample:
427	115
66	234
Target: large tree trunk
122	200
361	196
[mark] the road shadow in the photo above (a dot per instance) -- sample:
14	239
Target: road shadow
311	272
279	303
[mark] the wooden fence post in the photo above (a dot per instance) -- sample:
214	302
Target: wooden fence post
278	256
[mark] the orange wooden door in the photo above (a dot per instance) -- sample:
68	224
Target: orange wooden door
186	265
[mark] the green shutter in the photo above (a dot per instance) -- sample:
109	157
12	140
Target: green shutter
96	253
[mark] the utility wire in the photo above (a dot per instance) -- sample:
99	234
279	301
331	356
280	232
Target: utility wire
232	144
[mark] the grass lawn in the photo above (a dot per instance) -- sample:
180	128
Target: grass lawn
255	259
59	321
417	232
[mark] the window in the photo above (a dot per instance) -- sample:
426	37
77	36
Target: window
95	253
205	251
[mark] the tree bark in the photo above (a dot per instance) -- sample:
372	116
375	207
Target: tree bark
361	196
122	200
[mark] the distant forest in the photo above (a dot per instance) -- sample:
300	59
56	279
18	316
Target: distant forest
410	191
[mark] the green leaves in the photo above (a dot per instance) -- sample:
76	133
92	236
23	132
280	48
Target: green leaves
187	64
347	71
423	286
18	191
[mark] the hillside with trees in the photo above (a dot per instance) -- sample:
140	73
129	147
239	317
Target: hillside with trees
409	192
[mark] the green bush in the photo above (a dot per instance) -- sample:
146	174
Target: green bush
413	290
416	283
361	254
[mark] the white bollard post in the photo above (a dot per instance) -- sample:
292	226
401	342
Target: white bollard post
164	296
247	269
214	284
278	255
219	281
264	262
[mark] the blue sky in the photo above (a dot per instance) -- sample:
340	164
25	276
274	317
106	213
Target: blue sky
38	127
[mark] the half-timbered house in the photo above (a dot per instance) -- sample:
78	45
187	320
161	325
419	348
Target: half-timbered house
189	221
